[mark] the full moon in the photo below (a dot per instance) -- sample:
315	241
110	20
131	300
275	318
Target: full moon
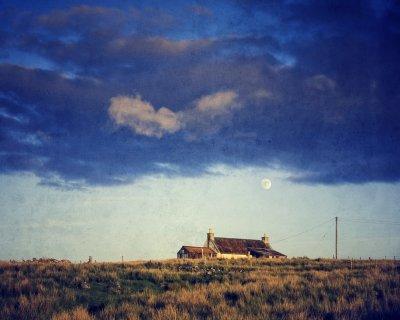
266	184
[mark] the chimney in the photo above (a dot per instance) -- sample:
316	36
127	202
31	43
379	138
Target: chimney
265	239
210	237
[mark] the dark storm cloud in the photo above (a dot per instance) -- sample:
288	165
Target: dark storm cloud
315	87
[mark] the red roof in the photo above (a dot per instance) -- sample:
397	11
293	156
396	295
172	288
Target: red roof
240	246
244	246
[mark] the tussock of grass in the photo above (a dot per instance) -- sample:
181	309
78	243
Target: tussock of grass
239	289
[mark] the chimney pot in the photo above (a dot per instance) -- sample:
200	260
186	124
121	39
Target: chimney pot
265	239
210	237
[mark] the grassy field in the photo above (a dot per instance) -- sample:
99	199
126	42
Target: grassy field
240	289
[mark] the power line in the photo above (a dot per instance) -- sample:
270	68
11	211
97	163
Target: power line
371	221
336	237
346	221
360	220
370	238
305	231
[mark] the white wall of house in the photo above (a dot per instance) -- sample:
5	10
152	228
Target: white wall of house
232	256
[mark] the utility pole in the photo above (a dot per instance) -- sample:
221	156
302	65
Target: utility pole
336	234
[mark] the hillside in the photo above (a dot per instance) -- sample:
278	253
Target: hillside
260	289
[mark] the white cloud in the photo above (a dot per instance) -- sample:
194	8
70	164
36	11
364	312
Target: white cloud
321	82
207	115
262	94
218	103
142	117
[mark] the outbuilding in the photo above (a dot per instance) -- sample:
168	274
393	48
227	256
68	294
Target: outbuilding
192	252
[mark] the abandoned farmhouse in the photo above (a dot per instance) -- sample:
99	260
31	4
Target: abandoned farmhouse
230	248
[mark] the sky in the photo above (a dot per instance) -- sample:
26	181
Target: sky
130	128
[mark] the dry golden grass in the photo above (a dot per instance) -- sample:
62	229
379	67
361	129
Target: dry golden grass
78	313
218	289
